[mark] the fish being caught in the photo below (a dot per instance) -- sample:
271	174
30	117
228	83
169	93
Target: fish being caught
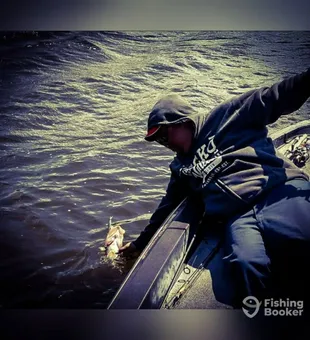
114	240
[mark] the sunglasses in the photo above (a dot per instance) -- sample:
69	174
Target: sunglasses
162	137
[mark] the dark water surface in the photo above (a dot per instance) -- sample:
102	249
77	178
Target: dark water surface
73	112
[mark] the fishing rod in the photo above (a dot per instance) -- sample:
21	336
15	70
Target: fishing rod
181	267
193	277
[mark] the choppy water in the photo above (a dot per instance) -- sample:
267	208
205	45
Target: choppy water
73	112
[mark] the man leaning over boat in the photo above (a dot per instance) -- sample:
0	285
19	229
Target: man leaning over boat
226	159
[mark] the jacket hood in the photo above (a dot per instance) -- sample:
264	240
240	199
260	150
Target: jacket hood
172	109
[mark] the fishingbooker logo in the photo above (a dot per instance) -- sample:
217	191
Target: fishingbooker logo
252	305
272	307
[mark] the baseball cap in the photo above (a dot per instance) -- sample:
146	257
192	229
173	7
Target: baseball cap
151	133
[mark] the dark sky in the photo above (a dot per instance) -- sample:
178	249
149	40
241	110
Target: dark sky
155	15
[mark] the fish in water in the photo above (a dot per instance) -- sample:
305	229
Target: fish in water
114	240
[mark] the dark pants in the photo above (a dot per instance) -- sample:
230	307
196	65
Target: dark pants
268	248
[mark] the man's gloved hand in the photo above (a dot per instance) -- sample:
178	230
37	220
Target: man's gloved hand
129	250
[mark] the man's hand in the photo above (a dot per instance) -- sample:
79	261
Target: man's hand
129	250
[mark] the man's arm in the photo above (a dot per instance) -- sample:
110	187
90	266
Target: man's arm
267	104
174	195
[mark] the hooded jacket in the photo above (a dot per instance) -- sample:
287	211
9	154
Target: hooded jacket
232	161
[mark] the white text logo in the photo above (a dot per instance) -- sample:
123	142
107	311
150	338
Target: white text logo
272	307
